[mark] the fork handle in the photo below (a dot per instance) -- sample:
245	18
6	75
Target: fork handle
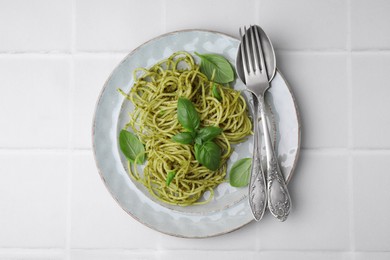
279	201
257	184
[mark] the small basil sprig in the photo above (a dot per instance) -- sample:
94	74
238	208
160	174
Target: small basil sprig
217	66
131	147
239	173
206	151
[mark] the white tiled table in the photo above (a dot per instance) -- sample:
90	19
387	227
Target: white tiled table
54	58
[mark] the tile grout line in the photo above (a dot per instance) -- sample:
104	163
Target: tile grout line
55	250
70	164
42	149
73	29
350	127
53	54
156	250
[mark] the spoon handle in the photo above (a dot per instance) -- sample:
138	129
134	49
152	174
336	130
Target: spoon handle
257	185
279	201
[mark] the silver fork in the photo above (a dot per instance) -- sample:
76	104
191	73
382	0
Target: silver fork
256	78
257	185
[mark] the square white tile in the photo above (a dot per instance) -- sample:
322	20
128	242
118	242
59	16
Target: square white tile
41	25
371	209
243	239
305	24
112	255
370	100
90	75
33	203
319	82
369	24
196	255
319	219
304	255
34	101
97	220
372	255
118	25
217	15
32	254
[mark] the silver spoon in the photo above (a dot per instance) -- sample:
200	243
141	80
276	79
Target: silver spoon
275	191
269	57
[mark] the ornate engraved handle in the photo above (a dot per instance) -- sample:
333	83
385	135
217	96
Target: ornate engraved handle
257	185
279	201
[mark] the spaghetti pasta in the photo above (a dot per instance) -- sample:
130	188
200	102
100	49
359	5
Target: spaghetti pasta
154	120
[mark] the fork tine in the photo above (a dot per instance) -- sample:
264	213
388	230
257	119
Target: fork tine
259	48
243	51
255	48
247	50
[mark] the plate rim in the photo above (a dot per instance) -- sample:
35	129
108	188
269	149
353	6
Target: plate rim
102	91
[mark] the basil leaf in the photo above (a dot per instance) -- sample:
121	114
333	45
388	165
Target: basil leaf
198	140
170	177
187	115
216	92
239	173
197	148
183	138
131	147
210	155
213	62
209	133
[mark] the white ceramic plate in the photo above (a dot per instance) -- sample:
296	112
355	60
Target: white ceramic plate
229	210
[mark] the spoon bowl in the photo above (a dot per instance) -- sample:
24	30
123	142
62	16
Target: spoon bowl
269	57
